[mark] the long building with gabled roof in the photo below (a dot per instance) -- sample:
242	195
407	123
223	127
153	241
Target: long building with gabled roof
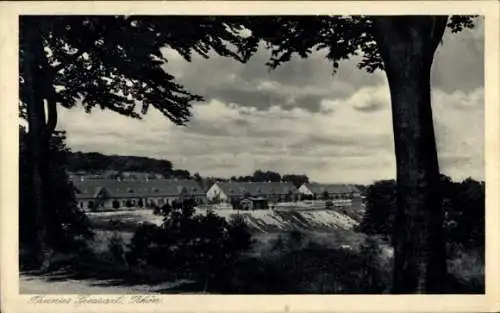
113	194
334	191
272	191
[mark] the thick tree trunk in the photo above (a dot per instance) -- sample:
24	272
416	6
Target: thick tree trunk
407	46
39	133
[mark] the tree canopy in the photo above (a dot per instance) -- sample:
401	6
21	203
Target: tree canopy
117	63
341	36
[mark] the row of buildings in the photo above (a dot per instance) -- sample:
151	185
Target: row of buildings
113	194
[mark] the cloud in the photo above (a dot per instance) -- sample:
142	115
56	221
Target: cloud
459	61
343	145
302	83
298	118
305	83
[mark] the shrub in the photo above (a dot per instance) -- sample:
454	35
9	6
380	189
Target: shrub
116	249
297	262
374	270
194	246
462	202
311	269
466	268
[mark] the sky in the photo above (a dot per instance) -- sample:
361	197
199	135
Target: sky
298	118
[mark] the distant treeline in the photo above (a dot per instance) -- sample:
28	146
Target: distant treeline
264	176
93	162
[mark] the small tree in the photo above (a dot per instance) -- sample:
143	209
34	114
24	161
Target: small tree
325	195
380	209
296	179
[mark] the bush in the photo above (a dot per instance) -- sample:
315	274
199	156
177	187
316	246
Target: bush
116	249
466	268
193	246
297	263
462	202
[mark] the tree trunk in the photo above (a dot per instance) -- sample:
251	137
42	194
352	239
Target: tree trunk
39	133
407	46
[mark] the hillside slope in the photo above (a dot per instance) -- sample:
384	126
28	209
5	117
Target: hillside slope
259	221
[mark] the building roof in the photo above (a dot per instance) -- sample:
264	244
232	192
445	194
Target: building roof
257	188
331	188
133	188
192	187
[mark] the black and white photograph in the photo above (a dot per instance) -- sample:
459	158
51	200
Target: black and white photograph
251	154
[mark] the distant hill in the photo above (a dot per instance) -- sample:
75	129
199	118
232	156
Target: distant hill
94	162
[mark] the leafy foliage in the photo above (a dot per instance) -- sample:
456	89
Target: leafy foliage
463	204
296	179
261	176
296	263
343	37
69	227
465	213
265	176
94	162
196	246
117	62
380	209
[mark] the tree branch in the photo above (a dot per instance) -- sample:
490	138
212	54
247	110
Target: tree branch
62	65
